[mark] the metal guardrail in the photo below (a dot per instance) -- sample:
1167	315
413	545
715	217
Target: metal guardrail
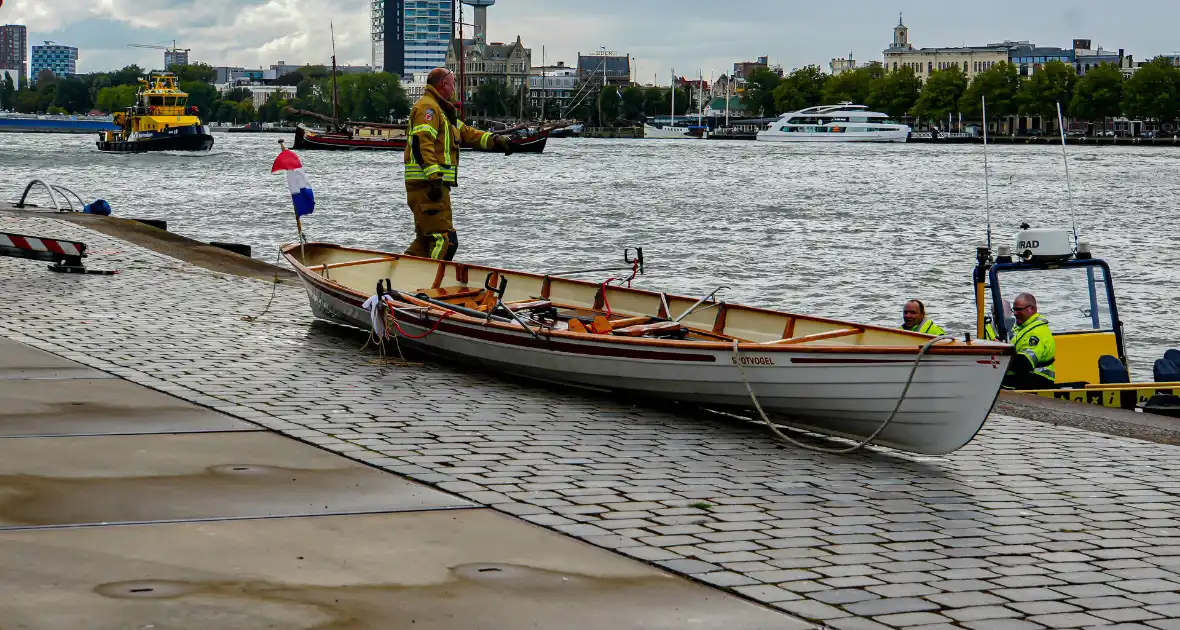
927	134
51	189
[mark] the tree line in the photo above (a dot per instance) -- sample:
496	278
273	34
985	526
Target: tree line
1152	92
375	97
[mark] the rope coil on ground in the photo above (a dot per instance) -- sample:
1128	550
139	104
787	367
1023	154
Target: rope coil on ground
834	451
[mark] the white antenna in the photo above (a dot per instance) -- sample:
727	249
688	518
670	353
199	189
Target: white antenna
986	191
1068	186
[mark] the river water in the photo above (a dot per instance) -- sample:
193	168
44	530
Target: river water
845	231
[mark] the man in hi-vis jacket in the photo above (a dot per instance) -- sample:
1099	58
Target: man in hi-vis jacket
432	164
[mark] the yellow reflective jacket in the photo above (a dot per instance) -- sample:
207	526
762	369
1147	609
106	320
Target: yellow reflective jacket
1034	340
927	327
435	135
989	333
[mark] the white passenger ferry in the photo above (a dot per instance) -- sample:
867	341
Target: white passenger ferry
834	123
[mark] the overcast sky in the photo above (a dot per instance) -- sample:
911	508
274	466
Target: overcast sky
688	35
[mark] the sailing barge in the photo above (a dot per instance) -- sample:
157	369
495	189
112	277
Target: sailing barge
358	135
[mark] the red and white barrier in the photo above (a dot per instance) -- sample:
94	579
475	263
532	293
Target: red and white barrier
66	256
37	244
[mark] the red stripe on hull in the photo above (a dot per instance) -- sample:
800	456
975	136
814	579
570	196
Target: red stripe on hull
857	361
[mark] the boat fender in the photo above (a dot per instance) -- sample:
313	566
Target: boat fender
98	206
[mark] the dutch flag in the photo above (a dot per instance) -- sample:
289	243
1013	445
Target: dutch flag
297	182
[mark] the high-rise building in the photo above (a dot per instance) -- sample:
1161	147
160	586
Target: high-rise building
177	57
410	35
61	60
14	47
427	34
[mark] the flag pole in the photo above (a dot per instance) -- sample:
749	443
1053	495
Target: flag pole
298	222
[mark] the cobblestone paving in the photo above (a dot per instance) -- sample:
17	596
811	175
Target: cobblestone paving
1029	526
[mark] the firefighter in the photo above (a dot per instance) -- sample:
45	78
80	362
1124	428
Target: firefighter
914	319
1036	351
432	164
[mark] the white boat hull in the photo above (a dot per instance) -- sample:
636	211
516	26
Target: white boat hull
657	133
777	136
847	394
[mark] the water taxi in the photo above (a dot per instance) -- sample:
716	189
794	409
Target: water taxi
158	121
835	123
1075	292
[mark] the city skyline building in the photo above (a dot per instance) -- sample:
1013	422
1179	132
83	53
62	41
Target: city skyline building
178	57
58	59
14	49
410	36
509	63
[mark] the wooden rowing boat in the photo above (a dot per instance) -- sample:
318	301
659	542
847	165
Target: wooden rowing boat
829	376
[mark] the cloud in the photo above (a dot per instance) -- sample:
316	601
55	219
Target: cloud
688	35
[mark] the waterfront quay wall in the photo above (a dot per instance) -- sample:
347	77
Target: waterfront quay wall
1046	139
39	125
925	138
613	132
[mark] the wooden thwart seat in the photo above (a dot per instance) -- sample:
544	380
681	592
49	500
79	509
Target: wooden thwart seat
640	330
827	334
528	305
352	263
448	293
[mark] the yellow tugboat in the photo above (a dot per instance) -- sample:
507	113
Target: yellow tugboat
159	121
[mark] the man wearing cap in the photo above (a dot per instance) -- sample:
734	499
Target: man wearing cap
432	164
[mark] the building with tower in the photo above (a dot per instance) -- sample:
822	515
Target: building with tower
925	61
1026	57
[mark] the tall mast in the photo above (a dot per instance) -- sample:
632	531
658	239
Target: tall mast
700	93
727	101
462	59
335	97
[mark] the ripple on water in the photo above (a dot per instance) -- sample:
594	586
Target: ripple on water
847	231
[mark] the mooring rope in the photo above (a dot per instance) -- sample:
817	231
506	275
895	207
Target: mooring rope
273	289
766	419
